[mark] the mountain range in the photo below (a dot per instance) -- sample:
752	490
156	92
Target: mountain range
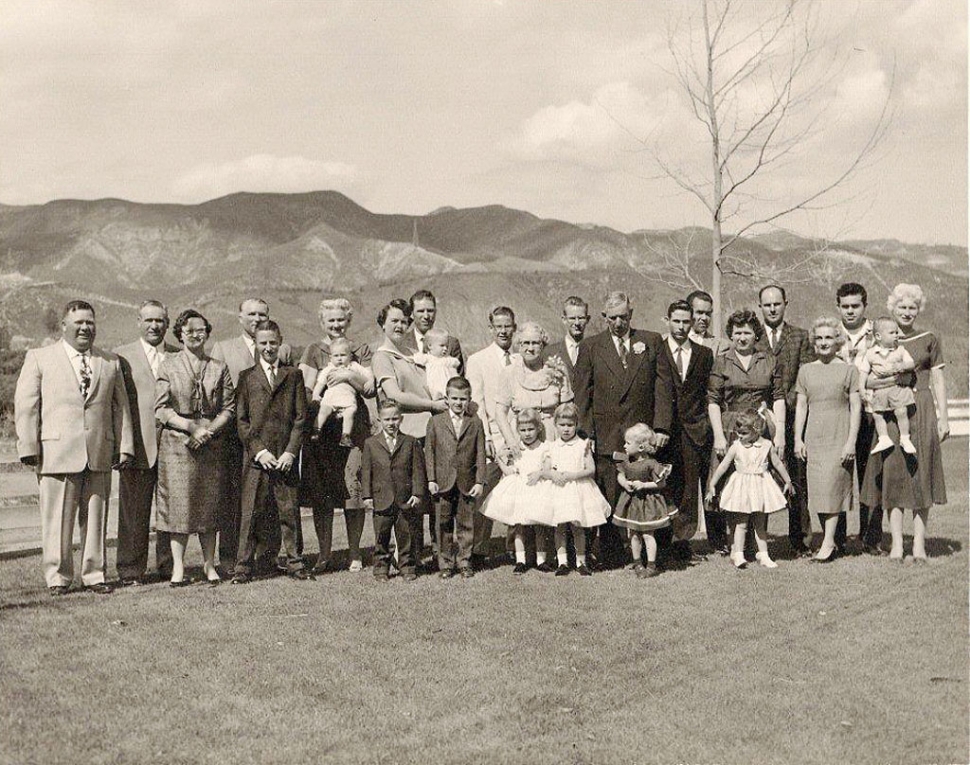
293	248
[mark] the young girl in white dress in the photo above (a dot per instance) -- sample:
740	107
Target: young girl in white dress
522	491
642	508
750	490
573	503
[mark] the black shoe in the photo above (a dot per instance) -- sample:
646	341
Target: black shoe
241	579
648	571
301	573
180	583
546	567
213	582
583	570
520	569
134	581
59	589
100	588
799	548
562	570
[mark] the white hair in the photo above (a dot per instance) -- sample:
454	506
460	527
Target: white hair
904	291
336	304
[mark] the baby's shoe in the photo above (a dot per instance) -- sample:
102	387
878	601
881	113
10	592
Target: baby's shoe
765	561
885	443
907	445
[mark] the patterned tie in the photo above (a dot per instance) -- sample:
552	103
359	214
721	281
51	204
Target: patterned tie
271	376
573	353
506	359
680	362
624	353
85	385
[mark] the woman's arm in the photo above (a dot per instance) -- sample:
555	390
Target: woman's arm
228	411
778	408
779	464
309	375
410	402
855	418
801	417
505	427
720	442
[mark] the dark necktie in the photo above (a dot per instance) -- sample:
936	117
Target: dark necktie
85	384
680	362
621	347
506	359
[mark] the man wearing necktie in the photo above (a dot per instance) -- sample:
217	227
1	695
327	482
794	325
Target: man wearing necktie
424	312
140	362
575	318
73	424
791	348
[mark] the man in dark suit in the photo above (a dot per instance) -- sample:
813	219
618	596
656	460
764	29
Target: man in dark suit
140	361
575	317
454	455
271	414
618	383
393	481
424	312
791	348
239	353
688	365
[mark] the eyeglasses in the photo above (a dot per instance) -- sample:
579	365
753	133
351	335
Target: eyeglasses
194	332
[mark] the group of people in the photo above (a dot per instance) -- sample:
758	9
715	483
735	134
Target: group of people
603	451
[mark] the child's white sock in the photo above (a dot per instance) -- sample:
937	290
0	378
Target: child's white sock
561	557
580	560
540	557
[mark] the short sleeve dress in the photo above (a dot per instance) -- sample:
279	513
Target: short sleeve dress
832	486
894	479
647	509
329	473
513	501
391	364
522	388
750	488
578	502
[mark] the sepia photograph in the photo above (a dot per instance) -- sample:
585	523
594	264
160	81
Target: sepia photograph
484	381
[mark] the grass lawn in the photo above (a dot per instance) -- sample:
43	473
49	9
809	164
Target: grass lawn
861	661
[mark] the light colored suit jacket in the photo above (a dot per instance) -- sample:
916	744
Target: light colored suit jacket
65	431
235	353
484	370
140	388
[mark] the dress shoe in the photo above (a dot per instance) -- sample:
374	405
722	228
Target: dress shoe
583	570
100	588
920	560
800	549
210	583
562	570
446	573
739	561
467	573
59	589
130	582
765	560
520	568
180	583
545	567
302	574
824	559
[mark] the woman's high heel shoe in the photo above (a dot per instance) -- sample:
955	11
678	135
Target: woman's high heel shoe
738	560
765	561
818	558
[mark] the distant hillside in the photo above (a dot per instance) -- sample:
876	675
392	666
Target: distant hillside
291	248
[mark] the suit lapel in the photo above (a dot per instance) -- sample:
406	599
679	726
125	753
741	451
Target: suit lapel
96	364
607	351
694	361
634	361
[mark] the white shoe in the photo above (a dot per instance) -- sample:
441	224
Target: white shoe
885	443
738	560
356	565
907	445
765	561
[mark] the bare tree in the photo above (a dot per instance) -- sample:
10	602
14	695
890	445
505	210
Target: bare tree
758	83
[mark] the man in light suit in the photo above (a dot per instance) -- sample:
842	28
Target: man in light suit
575	317
424	312
619	383
73	425
485	374
240	353
140	361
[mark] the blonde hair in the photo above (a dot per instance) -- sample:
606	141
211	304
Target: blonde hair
642	435
529	415
903	291
435	335
832	323
336	304
567	411
341	342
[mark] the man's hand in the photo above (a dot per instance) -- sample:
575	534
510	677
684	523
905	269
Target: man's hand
285	462
439	405
31	460
266	460
432	488
476	491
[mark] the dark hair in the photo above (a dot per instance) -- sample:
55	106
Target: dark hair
268	325
574	301
422	295
784	297
458	383
744	317
749	419
387	404
255	300
851	288
77	305
182	320
501	310
698	295
679	305
400	304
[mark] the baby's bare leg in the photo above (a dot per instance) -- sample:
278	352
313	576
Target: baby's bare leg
902	419
323	415
879	420
347	423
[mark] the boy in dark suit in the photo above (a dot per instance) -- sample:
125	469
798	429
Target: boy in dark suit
454	451
270	417
392	480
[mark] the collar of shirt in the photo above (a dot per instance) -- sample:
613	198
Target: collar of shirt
624	341
391	442
267	367
570	343
418	337
860	334
674	345
499	353
73	353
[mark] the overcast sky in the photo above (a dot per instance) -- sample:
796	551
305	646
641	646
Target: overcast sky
556	107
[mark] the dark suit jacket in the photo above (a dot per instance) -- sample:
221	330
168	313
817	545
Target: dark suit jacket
272	419
611	398
689	409
236	354
140	387
790	353
455	460
559	349
392	479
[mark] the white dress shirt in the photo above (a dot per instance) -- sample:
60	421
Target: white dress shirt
457	422
74	356
484	371
685	351
572	348
272	371
154	353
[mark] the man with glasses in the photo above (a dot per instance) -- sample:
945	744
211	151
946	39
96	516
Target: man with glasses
619	383
575	317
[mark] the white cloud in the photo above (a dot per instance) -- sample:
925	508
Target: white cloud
263	172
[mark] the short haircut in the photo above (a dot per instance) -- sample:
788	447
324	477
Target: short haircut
530	415
744	317
749	420
832	323
182	320
615	299
253	300
336	304
851	288
435	335
400	304
387	405
268	325
153	304
784	297
341	342
574	301
458	383
501	310
566	411
77	305
533	326
422	295
906	291
879	323
698	295
679	305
